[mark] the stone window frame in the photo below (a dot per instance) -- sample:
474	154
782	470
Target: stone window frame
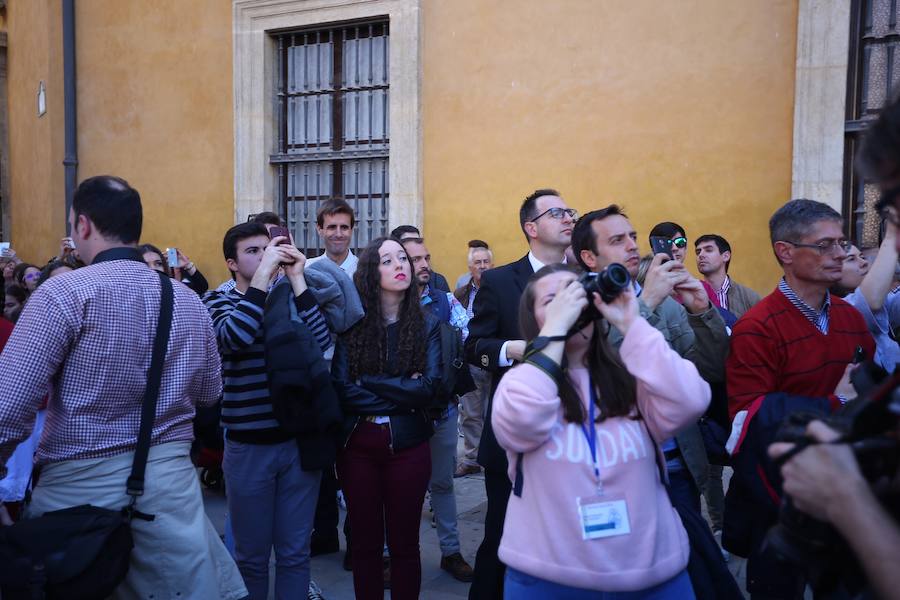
255	137
820	96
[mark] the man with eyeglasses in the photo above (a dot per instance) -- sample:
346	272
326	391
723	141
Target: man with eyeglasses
793	351
494	345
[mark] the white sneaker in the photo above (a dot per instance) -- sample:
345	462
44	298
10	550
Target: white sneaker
315	592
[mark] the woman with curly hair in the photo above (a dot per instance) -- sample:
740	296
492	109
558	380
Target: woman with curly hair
387	370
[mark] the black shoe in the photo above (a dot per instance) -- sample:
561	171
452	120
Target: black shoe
320	545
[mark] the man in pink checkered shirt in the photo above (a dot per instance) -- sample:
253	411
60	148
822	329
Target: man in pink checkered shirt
85	340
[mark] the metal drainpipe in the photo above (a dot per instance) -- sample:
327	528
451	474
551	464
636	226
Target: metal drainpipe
71	124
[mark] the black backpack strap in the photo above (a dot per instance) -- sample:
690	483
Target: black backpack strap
135	486
520	476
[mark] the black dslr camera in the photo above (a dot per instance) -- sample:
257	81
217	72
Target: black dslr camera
869	425
609	283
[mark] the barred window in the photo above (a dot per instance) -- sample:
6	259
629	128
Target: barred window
333	128
872	77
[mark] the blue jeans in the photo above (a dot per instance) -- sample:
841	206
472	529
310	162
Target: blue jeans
521	586
271	503
443	464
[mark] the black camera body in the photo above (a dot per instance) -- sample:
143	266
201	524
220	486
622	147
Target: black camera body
868	425
608	283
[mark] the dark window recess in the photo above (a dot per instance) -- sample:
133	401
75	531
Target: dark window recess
872	76
333	128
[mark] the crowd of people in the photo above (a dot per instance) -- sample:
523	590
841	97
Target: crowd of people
599	406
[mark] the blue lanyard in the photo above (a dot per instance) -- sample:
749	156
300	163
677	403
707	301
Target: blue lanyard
592	437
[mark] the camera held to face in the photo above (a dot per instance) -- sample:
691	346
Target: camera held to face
608	283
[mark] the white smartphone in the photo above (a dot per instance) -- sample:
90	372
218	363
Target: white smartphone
172	257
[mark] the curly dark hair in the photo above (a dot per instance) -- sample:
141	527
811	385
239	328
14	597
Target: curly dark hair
367	340
616	387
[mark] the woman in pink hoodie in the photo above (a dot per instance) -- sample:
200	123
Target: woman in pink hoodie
589	517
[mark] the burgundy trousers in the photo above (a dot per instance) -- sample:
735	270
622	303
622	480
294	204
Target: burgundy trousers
384	489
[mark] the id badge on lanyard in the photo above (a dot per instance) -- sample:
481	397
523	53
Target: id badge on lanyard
600	515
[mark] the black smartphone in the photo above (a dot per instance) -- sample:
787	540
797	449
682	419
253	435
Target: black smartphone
661	245
859	355
277	231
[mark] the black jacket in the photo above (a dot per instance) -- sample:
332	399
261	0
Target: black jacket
496	321
399	397
303	398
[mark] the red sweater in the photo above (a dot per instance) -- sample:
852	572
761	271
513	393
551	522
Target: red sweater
6	328
775	348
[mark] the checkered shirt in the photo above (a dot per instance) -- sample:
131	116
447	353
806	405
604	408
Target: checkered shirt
86	338
819	318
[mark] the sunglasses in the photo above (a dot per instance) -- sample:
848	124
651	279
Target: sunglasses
679	242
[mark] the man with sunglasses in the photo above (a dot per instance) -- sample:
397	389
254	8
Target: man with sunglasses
793	351
677	239
494	344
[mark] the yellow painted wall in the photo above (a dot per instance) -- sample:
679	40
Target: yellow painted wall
155	107
37	190
679	111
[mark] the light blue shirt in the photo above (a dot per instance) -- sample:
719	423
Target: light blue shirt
880	323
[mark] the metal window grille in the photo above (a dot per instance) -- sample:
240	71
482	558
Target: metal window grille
871	83
333	129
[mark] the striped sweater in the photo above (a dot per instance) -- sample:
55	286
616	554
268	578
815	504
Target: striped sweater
238	322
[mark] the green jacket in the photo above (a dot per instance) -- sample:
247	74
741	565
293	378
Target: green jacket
741	299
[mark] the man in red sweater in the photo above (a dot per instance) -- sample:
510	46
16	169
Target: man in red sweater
790	352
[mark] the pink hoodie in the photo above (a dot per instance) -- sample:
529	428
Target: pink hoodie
542	533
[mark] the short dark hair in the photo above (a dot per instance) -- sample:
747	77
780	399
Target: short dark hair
667	229
18	292
239	232
479	244
410	240
267	218
398	232
113	206
528	210
583	235
720	242
335	206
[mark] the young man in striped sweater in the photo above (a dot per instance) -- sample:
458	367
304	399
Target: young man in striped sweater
271	500
791	352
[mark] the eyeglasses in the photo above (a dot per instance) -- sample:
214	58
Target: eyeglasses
679	242
558	213
824	246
